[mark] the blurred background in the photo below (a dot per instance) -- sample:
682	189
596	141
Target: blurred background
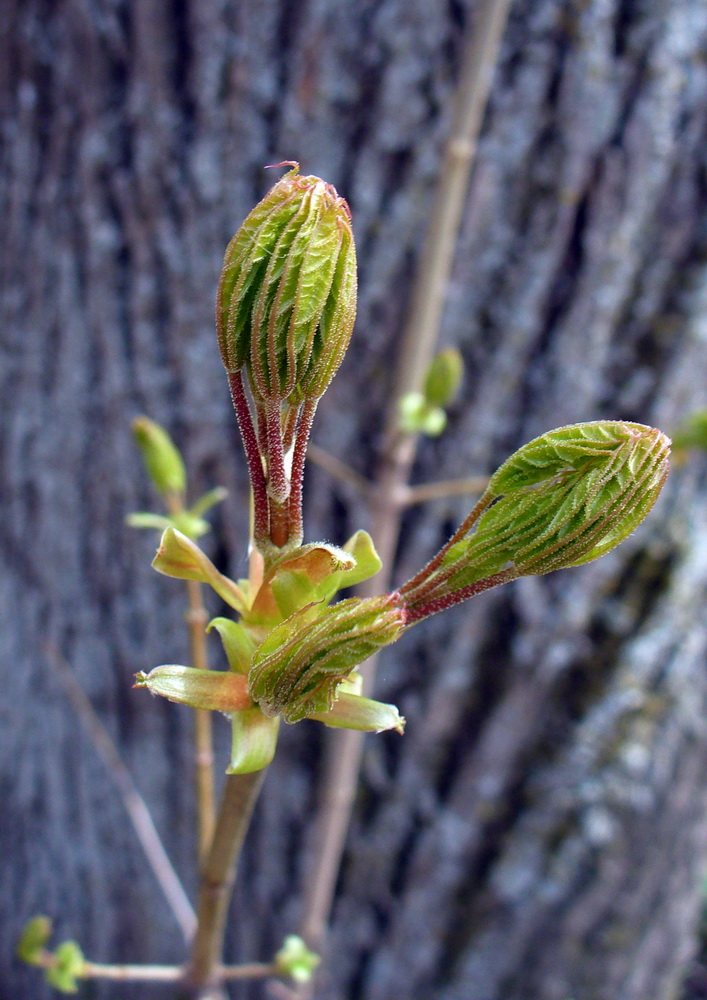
541	829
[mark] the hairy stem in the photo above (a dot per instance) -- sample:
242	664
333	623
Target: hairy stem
252	453
301	440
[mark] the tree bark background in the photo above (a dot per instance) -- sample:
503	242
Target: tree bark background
540	831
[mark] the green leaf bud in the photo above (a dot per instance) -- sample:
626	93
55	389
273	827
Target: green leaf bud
444	377
162	459
215	690
286	300
34	939
68	966
562	500
416	416
295	960
299	666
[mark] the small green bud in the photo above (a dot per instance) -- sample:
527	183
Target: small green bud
68	966
286	300
162	459
297	669
215	690
34	939
444	378
418	417
295	959
562	500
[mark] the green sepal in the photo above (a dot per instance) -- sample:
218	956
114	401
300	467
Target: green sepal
237	643
295	960
351	711
254	741
162	459
215	690
68	966
34	939
179	557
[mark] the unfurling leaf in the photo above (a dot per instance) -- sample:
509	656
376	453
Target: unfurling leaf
287	297
562	500
299	666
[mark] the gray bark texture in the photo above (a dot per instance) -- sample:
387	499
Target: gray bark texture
540	831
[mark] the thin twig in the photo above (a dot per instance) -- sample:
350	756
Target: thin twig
218	876
203	735
160	973
419	342
446	488
338	469
134	973
135	807
197	619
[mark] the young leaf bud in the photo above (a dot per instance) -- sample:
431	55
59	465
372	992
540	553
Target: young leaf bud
302	662
564	499
287	296
444	377
34	939
162	459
